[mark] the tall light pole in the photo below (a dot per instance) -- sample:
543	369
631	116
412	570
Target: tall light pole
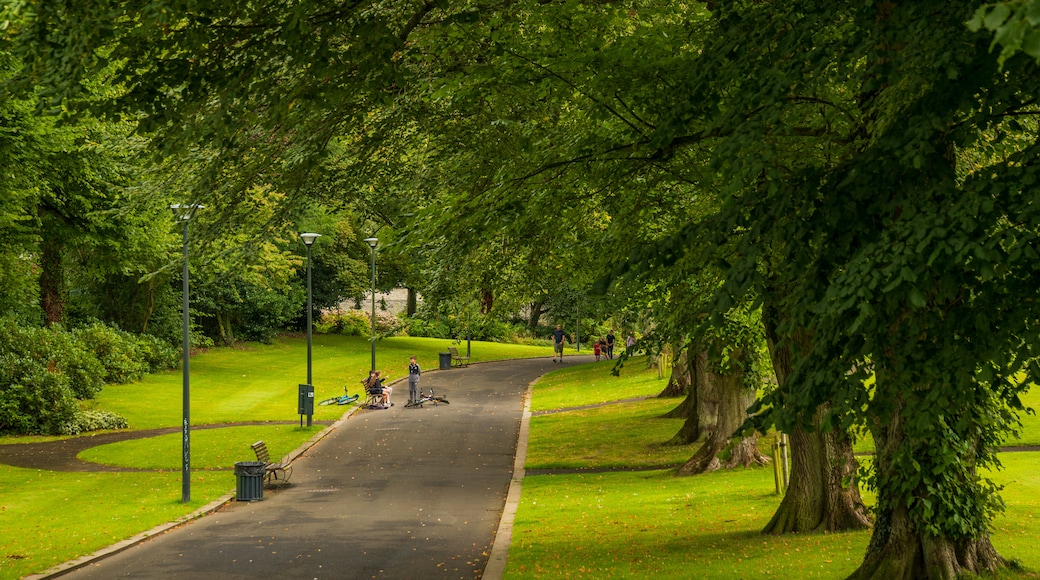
308	240
183	214
372	244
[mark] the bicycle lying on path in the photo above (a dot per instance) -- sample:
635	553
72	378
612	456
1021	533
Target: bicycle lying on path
345	399
424	398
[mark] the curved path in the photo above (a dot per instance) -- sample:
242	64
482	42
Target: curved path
399	493
63	455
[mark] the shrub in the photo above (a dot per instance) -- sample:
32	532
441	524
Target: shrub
33	399
58	351
117	351
426	328
158	354
347	322
387	324
43	371
92	420
70	356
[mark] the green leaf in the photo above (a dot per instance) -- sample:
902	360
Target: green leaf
917	298
997	16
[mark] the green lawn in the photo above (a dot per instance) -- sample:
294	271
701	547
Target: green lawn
260	382
49	517
642	524
615	525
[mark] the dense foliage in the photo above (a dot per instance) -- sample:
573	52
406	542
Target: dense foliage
45	372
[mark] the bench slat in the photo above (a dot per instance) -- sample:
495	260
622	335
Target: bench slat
271	469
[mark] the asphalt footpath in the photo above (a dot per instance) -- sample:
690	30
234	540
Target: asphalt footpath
397	493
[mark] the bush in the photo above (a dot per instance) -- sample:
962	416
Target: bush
33	399
157	353
347	322
118	352
43	371
58	351
426	328
70	356
92	420
387	324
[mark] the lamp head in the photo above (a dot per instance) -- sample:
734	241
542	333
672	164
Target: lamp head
309	238
372	242
183	212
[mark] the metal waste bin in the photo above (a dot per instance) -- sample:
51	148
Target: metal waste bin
250	480
445	360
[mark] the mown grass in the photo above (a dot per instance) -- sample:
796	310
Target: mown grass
50	517
589	384
629	524
260	382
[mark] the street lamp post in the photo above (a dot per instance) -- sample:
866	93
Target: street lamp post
308	240
183	214
372	244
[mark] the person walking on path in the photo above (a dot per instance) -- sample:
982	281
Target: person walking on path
413	380
558	338
630	344
610	344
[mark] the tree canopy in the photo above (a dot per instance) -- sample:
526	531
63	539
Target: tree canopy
862	170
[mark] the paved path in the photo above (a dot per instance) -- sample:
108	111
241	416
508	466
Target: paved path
400	493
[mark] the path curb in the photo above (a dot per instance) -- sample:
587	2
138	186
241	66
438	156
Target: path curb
496	565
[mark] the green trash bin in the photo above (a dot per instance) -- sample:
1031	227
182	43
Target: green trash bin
445	361
250	480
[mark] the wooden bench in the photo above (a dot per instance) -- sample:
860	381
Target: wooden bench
271	469
456	360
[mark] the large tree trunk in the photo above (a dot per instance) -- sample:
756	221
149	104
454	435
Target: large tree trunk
733	401
701	406
898	549
822	495
52	281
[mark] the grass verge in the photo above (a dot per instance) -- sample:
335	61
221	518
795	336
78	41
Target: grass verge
627	524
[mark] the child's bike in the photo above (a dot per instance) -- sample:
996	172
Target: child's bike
346	399
424	398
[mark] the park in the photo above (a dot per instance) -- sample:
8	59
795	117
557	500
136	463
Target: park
786	252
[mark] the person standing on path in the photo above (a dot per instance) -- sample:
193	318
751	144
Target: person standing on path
413	380
558	338
630	344
610	344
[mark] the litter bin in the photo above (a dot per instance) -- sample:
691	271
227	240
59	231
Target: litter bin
445	360
250	480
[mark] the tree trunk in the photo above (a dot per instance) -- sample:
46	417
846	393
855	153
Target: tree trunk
535	314
224	326
823	495
898	550
679	381
487	298
733	401
411	302
701	407
52	281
